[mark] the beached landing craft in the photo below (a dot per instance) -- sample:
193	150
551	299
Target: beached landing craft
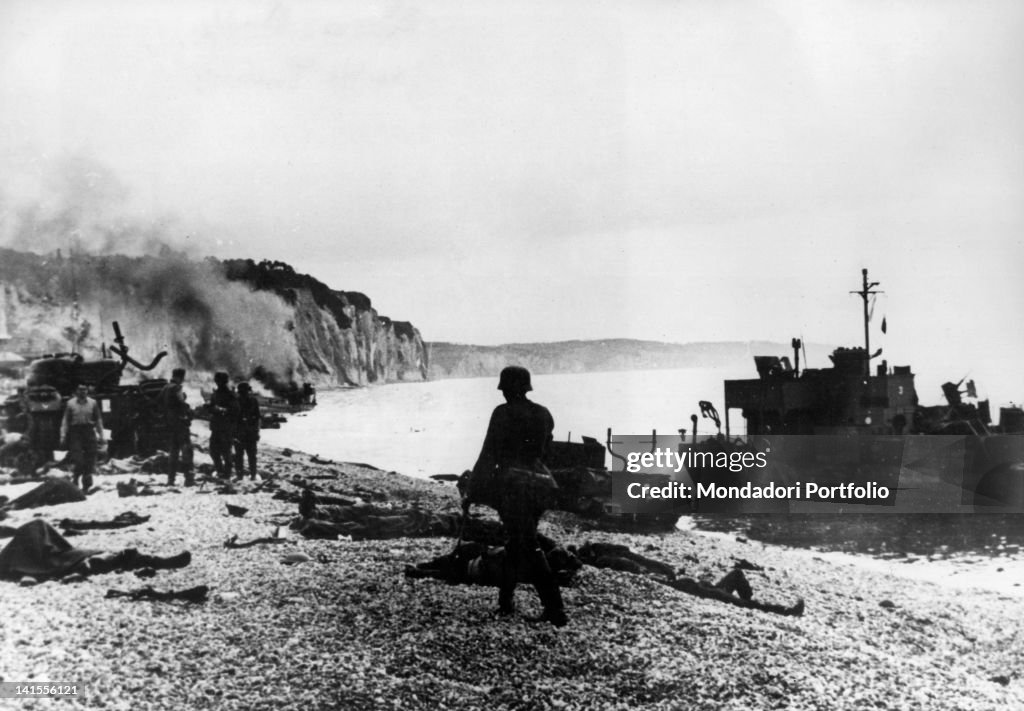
291	401
817	440
847	425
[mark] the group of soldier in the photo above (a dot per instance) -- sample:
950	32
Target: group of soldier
234	430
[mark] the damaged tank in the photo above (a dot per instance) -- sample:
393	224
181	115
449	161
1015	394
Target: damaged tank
130	411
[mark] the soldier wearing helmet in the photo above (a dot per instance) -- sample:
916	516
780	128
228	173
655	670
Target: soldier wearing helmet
178	418
247	430
223	418
510	469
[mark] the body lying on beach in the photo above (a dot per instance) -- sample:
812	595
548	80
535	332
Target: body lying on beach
477	564
479	557
38	551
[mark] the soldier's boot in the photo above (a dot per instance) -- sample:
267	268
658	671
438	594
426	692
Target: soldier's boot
506	600
307	504
86	482
508	582
736	582
547	589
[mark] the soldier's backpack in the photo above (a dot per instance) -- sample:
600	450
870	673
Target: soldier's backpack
489	486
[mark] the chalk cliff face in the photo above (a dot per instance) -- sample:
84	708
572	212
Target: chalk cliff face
259	320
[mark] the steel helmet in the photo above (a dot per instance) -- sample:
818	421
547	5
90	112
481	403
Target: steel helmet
515	378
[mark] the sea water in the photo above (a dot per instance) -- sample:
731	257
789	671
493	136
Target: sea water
437	427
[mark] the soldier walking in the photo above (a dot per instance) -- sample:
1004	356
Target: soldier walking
509	475
81	432
247	430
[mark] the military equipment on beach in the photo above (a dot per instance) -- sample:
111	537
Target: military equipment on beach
130	411
272	409
585	488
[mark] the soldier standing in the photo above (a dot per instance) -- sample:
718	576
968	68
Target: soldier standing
510	463
81	431
178	419
247	430
223	418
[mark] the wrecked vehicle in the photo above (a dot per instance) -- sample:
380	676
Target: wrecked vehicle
130	411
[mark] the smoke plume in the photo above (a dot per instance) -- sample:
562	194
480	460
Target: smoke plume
102	261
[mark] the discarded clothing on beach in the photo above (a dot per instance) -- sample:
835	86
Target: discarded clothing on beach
133	488
38	550
49	493
233	541
197	594
122	520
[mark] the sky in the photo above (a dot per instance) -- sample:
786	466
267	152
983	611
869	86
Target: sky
535	171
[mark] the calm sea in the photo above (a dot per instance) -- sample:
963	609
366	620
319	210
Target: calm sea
425	428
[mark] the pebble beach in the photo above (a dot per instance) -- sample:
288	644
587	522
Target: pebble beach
345	629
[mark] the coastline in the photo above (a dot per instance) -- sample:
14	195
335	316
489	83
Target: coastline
347	630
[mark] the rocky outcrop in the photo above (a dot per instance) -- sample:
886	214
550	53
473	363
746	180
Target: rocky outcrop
260	320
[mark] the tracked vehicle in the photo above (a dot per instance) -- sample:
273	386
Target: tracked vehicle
130	411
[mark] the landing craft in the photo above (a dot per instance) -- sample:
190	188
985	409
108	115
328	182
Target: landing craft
847	425
838	438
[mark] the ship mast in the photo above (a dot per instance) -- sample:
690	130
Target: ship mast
864	292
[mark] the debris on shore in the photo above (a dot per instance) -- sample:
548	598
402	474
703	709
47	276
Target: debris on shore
288	622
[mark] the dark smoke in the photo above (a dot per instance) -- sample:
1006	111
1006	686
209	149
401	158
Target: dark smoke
89	249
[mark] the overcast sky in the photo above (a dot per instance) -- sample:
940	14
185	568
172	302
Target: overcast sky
512	171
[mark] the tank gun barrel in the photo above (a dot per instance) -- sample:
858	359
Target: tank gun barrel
121	350
125	358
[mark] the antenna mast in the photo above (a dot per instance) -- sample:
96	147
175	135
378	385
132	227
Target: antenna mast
864	293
